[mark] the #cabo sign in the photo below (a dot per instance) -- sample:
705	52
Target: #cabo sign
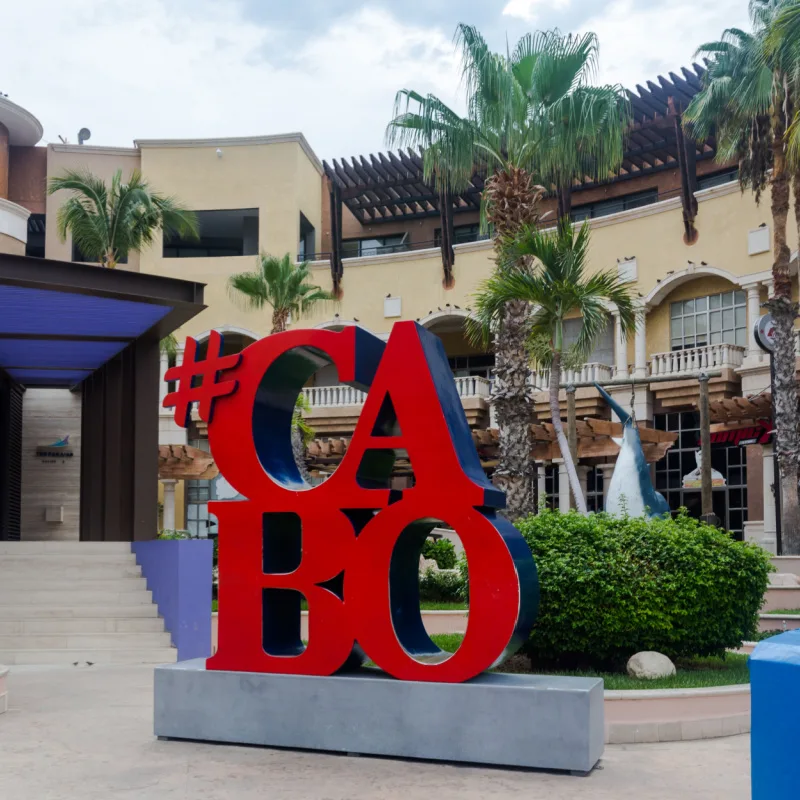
351	545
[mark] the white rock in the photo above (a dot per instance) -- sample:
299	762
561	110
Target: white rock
649	664
427	563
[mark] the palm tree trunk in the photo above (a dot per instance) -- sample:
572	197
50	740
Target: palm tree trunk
279	318
299	452
511	400
787	437
563	444
564	198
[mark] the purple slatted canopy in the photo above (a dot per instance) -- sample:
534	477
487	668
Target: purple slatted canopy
60	322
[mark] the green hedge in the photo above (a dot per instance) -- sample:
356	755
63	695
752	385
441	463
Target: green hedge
441	586
613	586
441	551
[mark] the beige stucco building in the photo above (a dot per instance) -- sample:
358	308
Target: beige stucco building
696	250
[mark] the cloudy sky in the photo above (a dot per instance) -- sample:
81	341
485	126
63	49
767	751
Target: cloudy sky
131	69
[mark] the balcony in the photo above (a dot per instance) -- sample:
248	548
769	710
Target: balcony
694	360
588	373
334	410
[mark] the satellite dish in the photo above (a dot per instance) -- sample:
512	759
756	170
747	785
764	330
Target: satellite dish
83	135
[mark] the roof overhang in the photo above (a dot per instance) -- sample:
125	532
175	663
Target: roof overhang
62	321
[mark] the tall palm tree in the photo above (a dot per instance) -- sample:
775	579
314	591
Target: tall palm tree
285	288
527	112
109	222
279	284
748	102
548	271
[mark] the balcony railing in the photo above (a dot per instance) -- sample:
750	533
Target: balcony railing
696	359
342	395
588	373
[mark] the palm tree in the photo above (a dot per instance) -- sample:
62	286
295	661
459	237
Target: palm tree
107	223
527	112
284	287
748	103
281	285
548	271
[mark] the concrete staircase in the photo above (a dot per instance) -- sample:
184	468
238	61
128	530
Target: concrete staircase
84	602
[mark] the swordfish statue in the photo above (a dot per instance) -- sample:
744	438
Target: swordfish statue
631	491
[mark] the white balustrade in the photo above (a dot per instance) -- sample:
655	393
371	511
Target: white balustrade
333	396
695	360
473	386
588	373
342	395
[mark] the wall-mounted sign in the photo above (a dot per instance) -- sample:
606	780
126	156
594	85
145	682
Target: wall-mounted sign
58	449
764	331
754	434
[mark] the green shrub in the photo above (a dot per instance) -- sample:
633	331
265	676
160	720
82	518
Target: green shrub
612	586
167	533
440	551
440	586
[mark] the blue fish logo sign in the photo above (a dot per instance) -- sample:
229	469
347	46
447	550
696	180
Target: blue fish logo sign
61	442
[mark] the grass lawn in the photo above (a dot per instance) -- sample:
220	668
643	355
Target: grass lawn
784	612
692	673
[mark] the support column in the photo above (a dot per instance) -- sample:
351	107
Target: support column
640	370
168	517
753	313
564	494
541	484
583	478
5	153
770	540
608	471
620	349
162	384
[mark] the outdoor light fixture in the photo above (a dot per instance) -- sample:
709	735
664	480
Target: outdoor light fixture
219	152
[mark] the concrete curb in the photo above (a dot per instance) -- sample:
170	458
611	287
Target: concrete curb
3	689
675	715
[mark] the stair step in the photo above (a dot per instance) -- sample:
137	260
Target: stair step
66	548
73	573
87	625
781	597
77	610
84	641
29	561
69	586
74	597
138	655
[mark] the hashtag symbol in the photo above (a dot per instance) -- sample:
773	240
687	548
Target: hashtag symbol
205	391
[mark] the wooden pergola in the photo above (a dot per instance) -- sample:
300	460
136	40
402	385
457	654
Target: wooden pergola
390	187
740	412
595	440
181	462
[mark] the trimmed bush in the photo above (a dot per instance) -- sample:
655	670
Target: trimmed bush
441	586
612	586
441	551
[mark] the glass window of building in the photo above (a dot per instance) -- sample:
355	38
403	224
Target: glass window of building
715	319
377	246
222	233
626	202
472	366
729	501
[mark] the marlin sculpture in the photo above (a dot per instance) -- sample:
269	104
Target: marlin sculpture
631	491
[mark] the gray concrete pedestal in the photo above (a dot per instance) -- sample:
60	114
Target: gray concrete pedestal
540	721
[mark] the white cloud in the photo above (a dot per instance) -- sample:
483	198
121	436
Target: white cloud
150	70
529	9
639	41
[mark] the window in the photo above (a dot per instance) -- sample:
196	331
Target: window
729	501
716	319
461	234
36	229
198	494
227	232
718	178
550	488
472	366
602	208
359	248
603	352
306	248
594	489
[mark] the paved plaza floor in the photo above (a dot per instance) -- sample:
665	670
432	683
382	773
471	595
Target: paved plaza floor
86	733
